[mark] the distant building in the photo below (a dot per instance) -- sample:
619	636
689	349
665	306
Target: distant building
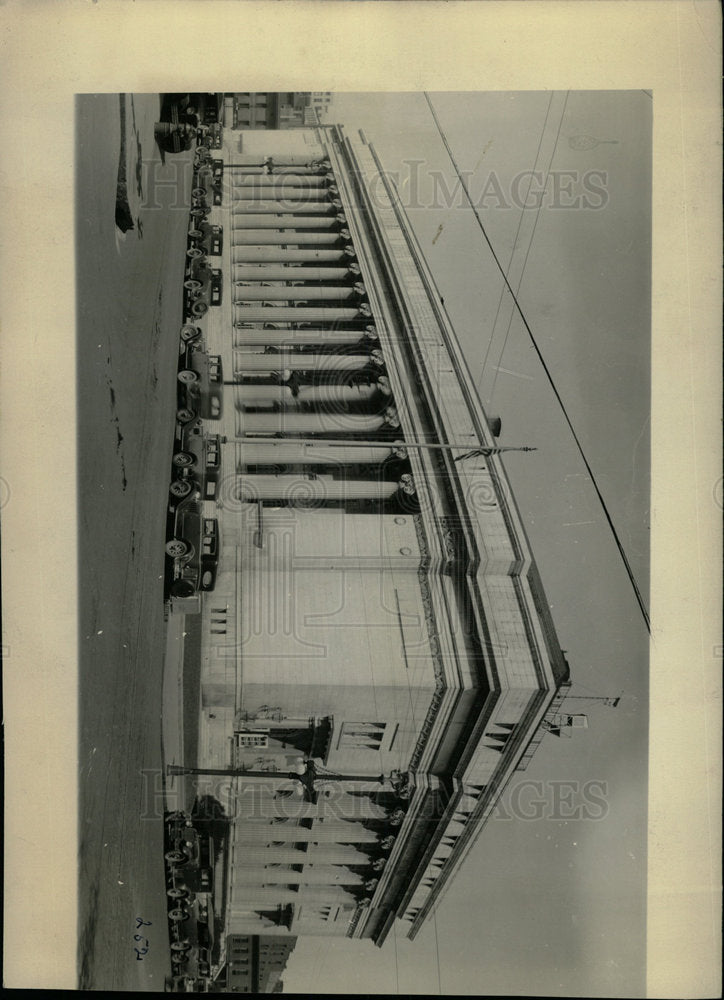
270	110
254	963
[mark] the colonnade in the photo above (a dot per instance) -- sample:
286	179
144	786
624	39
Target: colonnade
307	366
306	358
309	861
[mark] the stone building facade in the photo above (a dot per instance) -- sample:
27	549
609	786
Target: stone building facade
377	609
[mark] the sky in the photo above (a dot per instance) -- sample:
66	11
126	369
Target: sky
553	904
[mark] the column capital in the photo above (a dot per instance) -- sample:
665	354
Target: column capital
391	417
407	485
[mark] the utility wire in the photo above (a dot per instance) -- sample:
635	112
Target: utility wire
397	968
512	252
437	954
611	525
532	236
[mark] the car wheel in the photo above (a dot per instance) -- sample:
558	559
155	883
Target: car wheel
198	213
198	192
199	308
180	488
185	416
183	460
189	332
195	234
192	285
202	150
176	548
175	857
187	376
176	893
180	946
178	914
194	253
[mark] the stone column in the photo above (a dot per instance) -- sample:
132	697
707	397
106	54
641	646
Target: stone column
246	362
281	272
242	161
251	254
328	832
304	424
279	207
282	396
239	172
290	180
249	337
312	875
285	237
298	453
269	396
302	314
255	897
297	489
296	293
254	220
286	193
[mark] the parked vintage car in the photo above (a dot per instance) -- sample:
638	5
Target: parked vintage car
196	462
208	178
214	137
202	287
205	240
192	550
200	383
180	984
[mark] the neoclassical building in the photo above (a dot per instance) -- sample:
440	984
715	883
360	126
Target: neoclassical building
377	609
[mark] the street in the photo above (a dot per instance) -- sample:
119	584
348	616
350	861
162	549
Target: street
129	288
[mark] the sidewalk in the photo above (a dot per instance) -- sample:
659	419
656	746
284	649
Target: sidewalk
172	726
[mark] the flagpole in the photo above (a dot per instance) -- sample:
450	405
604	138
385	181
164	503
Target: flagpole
356	443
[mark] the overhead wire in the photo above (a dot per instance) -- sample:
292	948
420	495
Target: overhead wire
437	954
549	376
530	242
512	251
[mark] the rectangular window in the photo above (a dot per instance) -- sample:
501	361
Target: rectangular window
251	740
366	735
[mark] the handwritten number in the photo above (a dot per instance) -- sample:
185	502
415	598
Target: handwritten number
140	952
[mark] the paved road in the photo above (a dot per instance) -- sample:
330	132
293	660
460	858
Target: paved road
129	313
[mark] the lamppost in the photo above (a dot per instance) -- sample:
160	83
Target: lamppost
307	775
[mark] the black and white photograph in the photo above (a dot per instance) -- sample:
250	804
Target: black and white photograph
364	388
363	509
